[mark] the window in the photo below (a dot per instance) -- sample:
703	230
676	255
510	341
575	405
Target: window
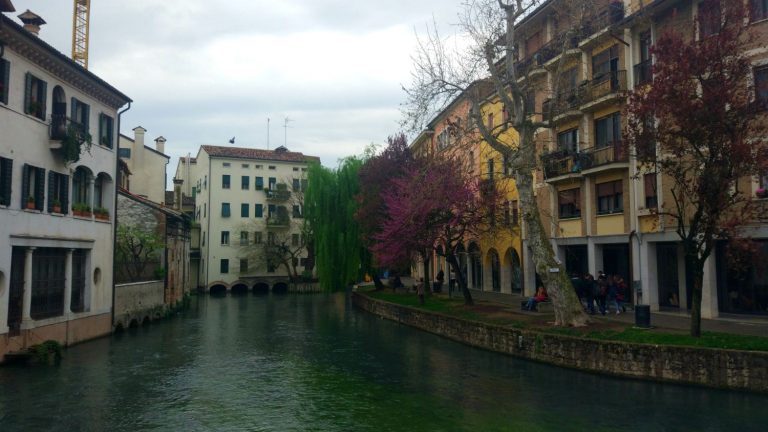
35	93
568	140
245	210
81	113
245	182
6	180
258	210
225	237
507	214
296	185
225	210
58	192
515	212
259	183
709	16
294	240
258	166
270	238
224	266
245	165
758	9
610	197
48	281
79	265
106	130
297	212
202	238
225	181
257	237
569	203
226	164
271	209
125	153
608	130
490	168
205	209
272	167
605	64
272	183
532	44
761	86
243	238
443	139
5	72
304	184
243	266
490	121
643	69
651	197
32	187
295	169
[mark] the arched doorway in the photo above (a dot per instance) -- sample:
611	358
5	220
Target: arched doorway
261	288
239	289
280	288
81	188
218	290
475	267
512	273
494	263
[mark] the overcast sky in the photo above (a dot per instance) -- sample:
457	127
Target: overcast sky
201	72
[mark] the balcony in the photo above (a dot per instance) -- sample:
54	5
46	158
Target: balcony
62	127
565	106
604	88
278	221
643	73
554	48
567	163
610	153
562	163
609	16
278	192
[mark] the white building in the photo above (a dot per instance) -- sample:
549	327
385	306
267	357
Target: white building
146	164
245	198
55	266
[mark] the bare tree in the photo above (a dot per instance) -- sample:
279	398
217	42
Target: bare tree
481	66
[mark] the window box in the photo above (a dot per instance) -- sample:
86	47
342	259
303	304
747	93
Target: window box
81	210
101	213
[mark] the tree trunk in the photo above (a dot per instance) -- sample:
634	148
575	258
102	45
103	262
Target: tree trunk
568	308
425	288
696	265
460	279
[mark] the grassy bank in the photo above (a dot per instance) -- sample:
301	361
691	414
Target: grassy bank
607	330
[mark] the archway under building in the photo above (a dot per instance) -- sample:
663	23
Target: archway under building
512	272
261	288
280	288
493	265
239	288
218	290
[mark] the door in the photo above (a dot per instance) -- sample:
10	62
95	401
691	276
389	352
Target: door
16	292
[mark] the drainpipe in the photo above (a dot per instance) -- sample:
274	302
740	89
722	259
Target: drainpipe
114	227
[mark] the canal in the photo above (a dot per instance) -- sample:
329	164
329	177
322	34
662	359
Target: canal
313	363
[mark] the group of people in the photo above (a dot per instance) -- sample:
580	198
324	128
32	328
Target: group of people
599	294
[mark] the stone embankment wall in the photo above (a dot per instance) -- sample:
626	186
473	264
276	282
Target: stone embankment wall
137	302
742	370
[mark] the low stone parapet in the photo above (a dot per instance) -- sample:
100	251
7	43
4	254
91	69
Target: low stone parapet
138	302
731	369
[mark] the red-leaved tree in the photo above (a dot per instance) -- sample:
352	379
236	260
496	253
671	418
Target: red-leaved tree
698	126
437	203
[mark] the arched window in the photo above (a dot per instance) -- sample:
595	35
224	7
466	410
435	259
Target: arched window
81	188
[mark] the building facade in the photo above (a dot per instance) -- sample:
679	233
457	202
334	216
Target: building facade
56	206
245	201
147	165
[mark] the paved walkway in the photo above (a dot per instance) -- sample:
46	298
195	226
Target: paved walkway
734	324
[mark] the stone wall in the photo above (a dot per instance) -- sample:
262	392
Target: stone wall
138	301
742	370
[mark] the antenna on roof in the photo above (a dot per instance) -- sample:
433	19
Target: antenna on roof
285	125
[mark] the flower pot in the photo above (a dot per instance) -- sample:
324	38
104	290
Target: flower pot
56	209
30	205
102	216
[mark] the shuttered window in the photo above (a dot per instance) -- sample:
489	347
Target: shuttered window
106	131
58	192
245	209
258	210
225	210
569	203
35	93
5	73
6	180
32	187
259	183
610	197
81	113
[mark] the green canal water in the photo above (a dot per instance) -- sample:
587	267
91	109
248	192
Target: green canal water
314	363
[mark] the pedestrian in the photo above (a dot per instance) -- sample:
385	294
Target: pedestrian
621	293
439	281
602	291
590	290
541	296
613	292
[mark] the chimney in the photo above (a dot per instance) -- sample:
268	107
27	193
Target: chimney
160	144
138	147
32	22
6	6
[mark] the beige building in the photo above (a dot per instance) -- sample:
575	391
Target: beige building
245	199
147	165
56	199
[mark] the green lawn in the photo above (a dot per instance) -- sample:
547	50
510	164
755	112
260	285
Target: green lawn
603	330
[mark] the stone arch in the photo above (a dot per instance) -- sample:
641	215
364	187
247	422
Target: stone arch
217	288
82	182
239	288
512	272
475	267
103	191
261	288
280	288
134	323
492	270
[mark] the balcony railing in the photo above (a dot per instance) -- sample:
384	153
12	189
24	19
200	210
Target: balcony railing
554	48
607	17
60	126
564	162
278	221
605	84
279	192
567	100
643	73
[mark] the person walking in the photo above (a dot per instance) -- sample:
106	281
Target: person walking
602	291
440	278
590	291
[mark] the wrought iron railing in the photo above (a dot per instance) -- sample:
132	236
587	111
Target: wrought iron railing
605	84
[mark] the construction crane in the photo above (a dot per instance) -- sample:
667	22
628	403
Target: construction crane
80	20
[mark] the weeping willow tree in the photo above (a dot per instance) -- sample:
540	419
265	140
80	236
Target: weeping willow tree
330	205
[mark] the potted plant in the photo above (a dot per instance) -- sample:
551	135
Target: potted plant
101	213
30	202
761	193
73	144
56	206
81	210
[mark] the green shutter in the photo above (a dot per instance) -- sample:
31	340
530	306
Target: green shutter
24	185
87	119
39	188
6	66
64	198
27	92
43	89
51	190
101	129
7	172
73	111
